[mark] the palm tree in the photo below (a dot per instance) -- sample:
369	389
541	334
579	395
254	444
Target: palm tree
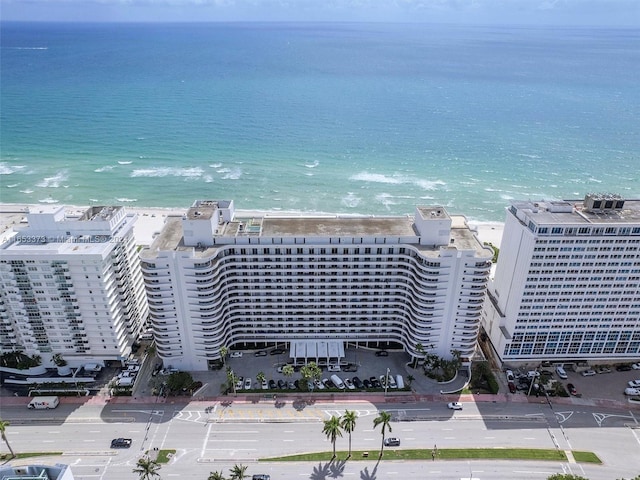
288	370
332	431
216	476
384	419
147	468
223	353
348	424
260	377
420	350
3	426
238	472
410	379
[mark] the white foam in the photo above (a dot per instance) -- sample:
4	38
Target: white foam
55	181
48	200
350	200
385	199
312	165
106	168
397	180
124	162
6	169
167	171
215	165
126	200
13	185
233	174
27	191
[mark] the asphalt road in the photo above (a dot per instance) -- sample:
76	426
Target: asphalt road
206	439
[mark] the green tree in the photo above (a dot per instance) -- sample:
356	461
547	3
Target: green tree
3	427
332	430
311	371
216	476
384	419
232	379
179	381
565	476
420	350
348	424
147	468
260	377
238	472
410	379
288	370
223	354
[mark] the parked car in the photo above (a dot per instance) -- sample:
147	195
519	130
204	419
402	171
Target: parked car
239	383
392	442
366	383
623	367
603	370
375	382
561	373
382	353
632	391
265	385
392	381
260	353
247	384
121	443
636	366
350	368
357	382
454	406
512	387
333	368
588	373
272	384
261	476
292	385
349	384
277	351
572	389
236	354
319	385
327	383
282	385
510	377
634	383
533	374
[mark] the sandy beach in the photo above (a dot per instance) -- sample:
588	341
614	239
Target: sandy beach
151	220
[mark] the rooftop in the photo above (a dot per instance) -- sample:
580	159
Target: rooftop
576	212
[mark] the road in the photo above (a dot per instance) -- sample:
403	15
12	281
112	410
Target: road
216	438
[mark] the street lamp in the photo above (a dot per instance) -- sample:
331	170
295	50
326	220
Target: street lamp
386	382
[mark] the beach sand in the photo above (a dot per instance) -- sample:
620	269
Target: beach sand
151	220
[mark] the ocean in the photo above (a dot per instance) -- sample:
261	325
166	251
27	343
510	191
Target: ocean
336	118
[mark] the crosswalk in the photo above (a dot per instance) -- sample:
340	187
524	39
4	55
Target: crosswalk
267	414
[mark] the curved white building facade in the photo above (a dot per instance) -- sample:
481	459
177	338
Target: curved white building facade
215	279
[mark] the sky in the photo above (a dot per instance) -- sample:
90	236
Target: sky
505	12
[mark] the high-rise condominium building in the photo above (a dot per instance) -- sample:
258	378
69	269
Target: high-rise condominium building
567	282
70	284
214	280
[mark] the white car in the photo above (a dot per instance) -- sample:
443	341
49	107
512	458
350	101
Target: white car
239	383
236	355
247	384
454	406
319	385
588	373
632	391
634	383
265	385
349	384
636	366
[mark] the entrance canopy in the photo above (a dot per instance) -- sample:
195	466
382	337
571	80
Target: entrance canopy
320	351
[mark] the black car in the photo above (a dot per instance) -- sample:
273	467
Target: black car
382	353
392	442
367	383
282	385
357	382
272	384
261	477
121	443
375	383
277	351
624	367
350	368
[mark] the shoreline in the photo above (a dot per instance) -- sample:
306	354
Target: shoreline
151	219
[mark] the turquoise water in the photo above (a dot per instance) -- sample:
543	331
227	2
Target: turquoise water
350	118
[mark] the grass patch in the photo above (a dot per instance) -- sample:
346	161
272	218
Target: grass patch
586	457
443	454
7	456
165	455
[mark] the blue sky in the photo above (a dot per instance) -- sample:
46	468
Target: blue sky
514	12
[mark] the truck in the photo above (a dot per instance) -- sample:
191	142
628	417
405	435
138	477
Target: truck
41	403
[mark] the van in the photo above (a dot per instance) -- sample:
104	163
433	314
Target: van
40	403
126	381
561	373
400	382
337	381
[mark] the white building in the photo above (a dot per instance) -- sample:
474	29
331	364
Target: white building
71	285
566	285
214	279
